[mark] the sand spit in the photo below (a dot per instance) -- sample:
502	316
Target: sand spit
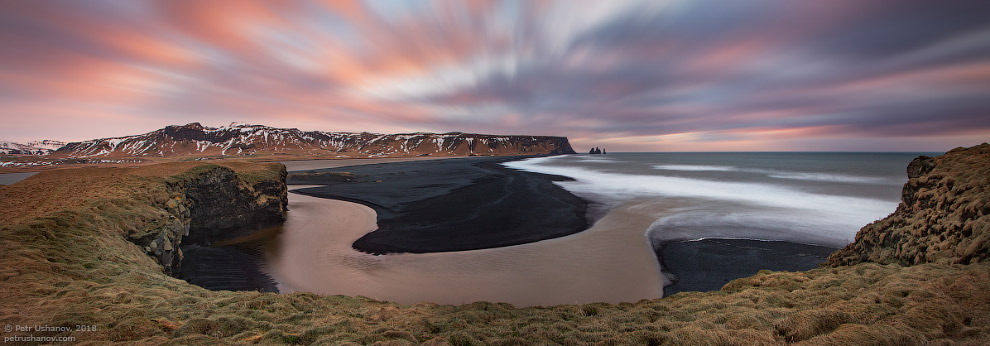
610	262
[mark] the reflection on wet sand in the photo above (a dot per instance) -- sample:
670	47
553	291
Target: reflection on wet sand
611	262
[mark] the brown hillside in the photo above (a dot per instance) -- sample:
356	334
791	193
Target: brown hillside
66	260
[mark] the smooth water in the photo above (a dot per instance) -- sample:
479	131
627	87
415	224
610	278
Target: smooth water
639	200
812	198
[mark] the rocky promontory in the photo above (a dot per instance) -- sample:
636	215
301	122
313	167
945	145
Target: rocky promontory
943	217
68	257
211	203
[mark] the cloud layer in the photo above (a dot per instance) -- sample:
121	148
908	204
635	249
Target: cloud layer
627	75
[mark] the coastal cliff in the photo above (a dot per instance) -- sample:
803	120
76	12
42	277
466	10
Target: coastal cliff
67	258
211	203
943	217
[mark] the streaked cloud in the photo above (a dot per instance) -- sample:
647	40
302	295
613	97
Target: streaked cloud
632	75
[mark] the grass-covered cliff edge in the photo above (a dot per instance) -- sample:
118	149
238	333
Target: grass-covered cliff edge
78	247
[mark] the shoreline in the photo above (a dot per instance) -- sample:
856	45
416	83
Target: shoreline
707	264
600	264
453	205
683	265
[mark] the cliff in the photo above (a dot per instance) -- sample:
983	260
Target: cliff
211	203
943	217
246	140
67	258
157	207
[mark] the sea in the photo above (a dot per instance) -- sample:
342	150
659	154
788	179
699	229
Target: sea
819	198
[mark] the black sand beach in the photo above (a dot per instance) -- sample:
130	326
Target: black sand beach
708	264
453	204
476	203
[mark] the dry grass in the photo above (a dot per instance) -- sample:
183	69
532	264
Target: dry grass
944	216
68	263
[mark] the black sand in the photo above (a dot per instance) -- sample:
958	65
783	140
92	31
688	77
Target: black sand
475	203
707	265
454	204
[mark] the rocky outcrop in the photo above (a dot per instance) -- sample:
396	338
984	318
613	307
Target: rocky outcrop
212	203
162	242
197	140
943	217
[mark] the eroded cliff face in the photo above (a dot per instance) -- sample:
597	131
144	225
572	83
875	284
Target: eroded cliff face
212	203
943	217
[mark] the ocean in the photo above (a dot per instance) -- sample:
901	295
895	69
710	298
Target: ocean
818	198
660	223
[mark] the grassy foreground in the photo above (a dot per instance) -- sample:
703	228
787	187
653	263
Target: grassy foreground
65	261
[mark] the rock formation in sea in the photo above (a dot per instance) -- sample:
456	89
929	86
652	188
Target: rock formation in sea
943	217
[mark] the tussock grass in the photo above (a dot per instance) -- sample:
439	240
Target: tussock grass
68	263
944	216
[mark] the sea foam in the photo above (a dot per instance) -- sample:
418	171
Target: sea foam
827	177
696	168
725	208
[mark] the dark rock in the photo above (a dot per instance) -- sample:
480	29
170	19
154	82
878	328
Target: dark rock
208	204
223	206
920	166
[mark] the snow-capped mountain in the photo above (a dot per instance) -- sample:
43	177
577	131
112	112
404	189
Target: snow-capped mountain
240	139
42	147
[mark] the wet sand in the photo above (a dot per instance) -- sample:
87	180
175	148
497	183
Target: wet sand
610	262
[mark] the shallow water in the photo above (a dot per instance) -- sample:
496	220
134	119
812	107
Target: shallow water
611	262
10	178
640	201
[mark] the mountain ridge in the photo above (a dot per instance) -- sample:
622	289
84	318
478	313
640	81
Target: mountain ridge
32	148
245	140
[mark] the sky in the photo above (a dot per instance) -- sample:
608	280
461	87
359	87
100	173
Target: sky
658	75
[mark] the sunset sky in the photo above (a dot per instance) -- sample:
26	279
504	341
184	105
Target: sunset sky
679	75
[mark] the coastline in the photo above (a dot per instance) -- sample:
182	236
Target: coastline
65	259
305	165
240	264
615	263
453	205
708	264
683	265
